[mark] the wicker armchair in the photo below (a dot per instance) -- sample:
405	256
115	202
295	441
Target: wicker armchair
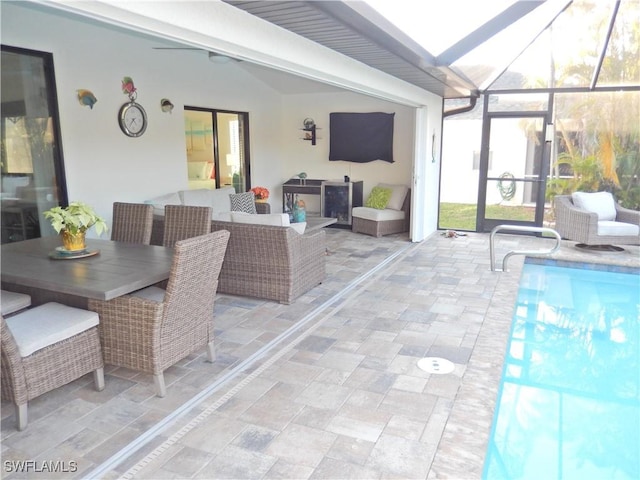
581	226
132	222
152	329
46	347
378	228
274	263
185	221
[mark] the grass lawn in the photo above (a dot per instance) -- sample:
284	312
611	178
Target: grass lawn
462	216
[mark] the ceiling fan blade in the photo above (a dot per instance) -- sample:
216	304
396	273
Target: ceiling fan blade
178	48
213	56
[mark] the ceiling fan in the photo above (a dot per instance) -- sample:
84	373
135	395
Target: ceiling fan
213	56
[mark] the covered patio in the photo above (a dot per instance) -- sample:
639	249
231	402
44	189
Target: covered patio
326	387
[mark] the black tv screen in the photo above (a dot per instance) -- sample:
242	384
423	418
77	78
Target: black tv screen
361	137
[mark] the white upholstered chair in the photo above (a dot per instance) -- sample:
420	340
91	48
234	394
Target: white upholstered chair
394	218
596	219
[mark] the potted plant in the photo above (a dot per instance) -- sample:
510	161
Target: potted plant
261	194
72	222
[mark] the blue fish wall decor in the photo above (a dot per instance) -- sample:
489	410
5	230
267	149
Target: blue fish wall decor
86	97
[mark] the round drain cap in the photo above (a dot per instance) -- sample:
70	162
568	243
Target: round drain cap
436	365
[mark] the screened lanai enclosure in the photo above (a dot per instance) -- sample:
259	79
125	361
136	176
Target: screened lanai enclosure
540	97
557	110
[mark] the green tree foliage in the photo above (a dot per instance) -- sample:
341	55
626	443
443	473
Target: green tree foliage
600	131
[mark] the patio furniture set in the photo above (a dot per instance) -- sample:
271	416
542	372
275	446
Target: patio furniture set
146	301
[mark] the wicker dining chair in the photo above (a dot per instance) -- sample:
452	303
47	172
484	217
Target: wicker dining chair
132	222
185	221
153	328
46	347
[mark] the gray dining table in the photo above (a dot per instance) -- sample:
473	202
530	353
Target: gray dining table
119	268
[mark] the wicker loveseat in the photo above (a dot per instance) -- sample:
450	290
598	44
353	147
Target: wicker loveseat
263	261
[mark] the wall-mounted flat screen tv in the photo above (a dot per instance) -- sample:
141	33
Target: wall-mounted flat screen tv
361	137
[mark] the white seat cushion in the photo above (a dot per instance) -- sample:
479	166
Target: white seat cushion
39	327
12	302
601	203
221	216
617	229
155	294
377	215
273	219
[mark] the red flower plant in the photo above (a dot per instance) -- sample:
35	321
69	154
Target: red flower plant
261	193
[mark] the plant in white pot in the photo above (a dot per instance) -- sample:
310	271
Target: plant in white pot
73	221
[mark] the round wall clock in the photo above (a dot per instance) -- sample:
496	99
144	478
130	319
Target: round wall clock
132	119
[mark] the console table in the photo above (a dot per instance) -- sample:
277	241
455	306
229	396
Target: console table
295	185
337	198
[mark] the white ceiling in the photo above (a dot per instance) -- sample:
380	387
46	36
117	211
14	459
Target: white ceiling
286	83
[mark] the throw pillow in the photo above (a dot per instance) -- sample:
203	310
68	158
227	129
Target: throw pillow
601	203
243	202
378	198
398	194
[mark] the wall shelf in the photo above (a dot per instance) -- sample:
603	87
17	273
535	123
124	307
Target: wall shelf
310	134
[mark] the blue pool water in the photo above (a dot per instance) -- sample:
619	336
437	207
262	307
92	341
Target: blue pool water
569	400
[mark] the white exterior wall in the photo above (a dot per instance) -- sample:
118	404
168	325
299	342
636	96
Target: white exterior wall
102	165
300	156
459	182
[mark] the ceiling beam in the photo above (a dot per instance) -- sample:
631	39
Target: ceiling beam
370	24
603	52
483	33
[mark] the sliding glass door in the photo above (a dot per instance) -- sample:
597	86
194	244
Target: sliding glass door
217	148
31	159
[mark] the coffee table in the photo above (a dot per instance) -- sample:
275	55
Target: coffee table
315	223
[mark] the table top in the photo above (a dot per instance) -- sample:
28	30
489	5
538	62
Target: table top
314	223
118	269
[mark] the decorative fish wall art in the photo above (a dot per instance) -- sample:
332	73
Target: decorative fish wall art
86	97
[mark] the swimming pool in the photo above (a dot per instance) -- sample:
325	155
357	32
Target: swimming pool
569	399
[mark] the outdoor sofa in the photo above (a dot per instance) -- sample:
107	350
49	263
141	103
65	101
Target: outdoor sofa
266	261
